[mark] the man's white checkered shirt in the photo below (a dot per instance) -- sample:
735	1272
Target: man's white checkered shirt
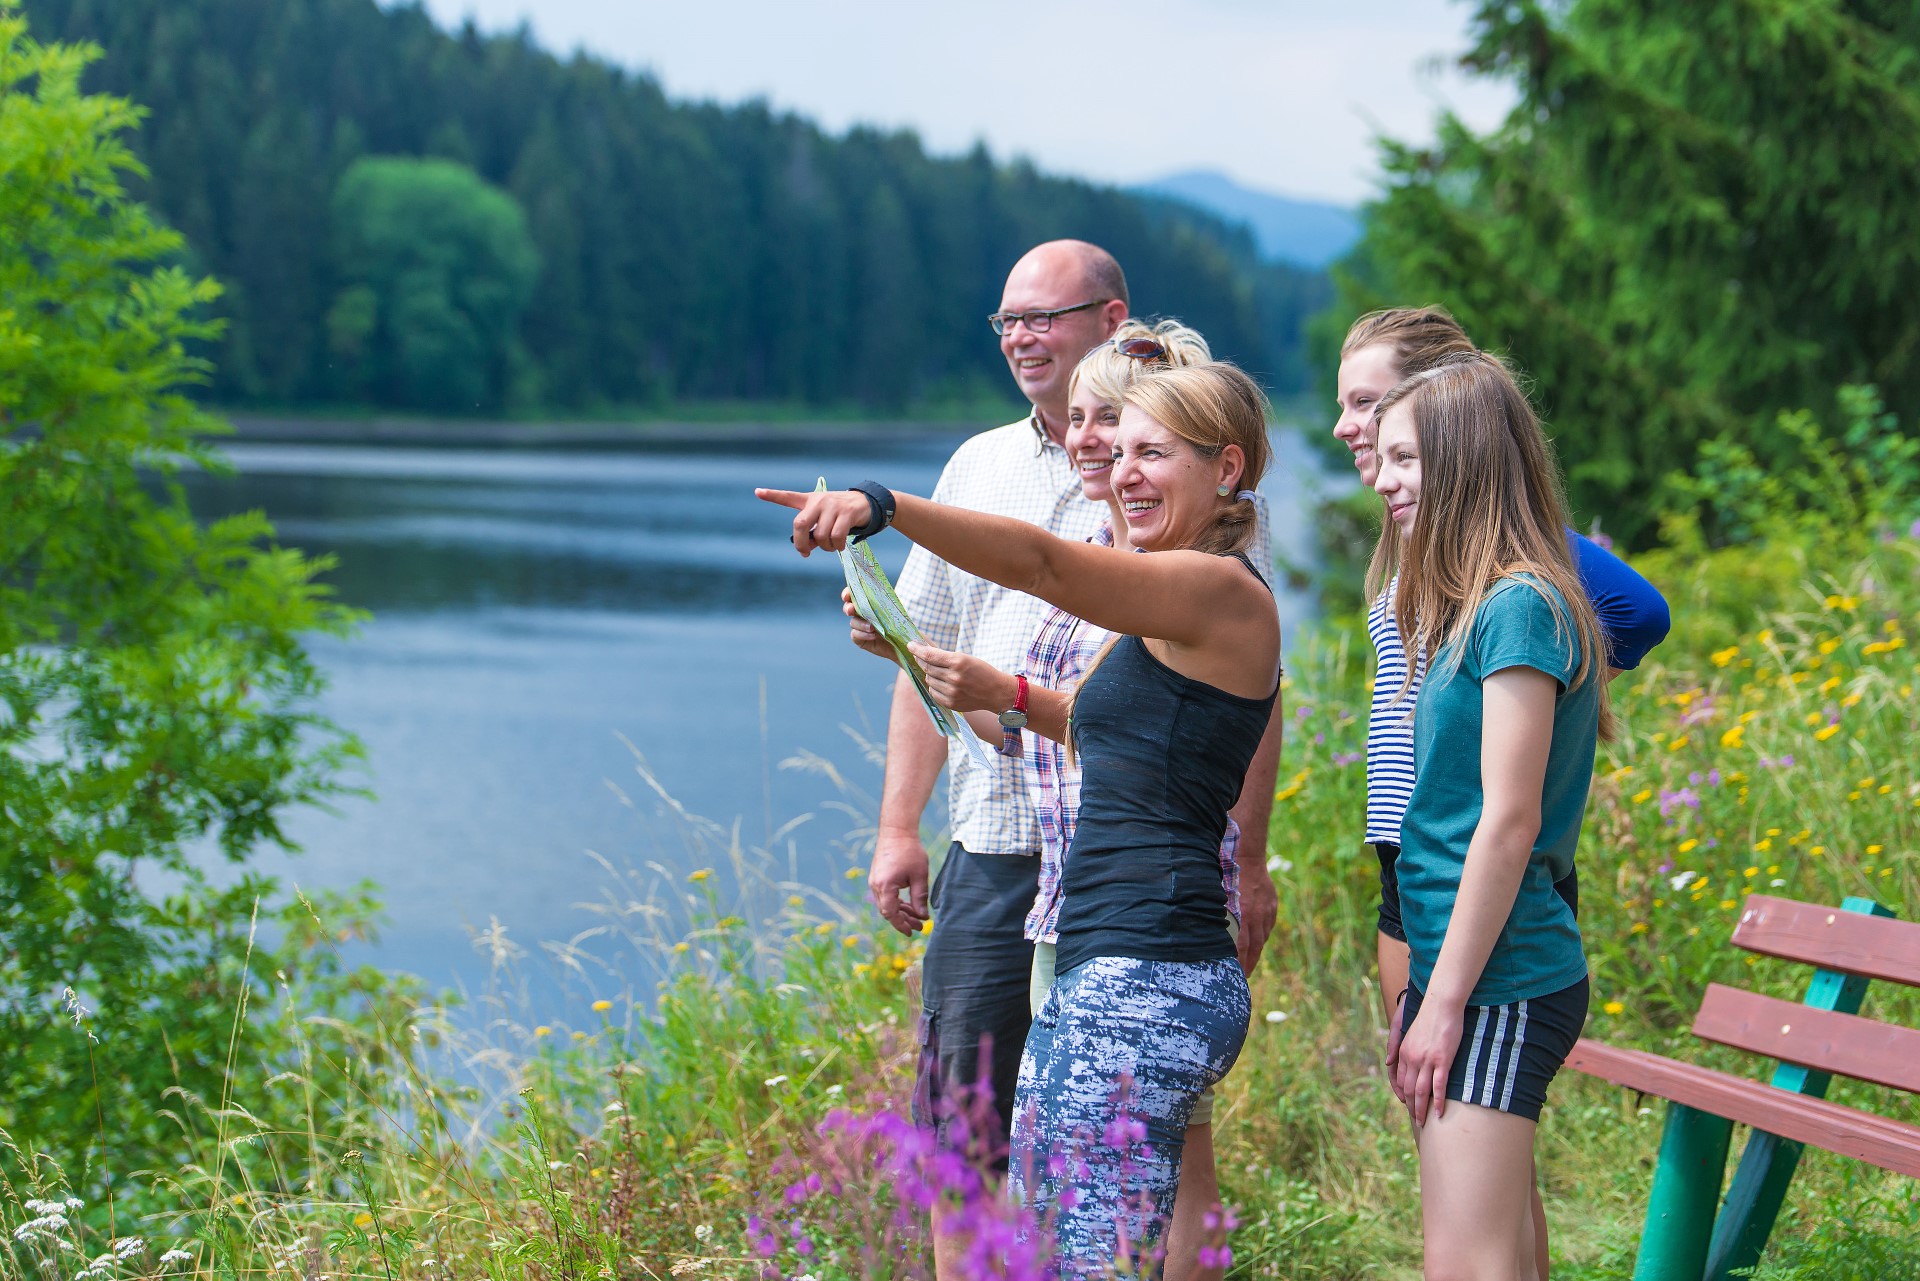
1015	471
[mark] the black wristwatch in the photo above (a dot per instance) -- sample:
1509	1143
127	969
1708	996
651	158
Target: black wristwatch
881	504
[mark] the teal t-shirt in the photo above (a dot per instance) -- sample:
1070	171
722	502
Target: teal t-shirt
1522	622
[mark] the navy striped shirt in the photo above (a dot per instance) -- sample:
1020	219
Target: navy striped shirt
1633	617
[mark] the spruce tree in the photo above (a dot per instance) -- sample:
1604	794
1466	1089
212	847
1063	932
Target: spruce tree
1698	214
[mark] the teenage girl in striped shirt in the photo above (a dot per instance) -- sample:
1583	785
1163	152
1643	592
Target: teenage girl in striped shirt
1380	349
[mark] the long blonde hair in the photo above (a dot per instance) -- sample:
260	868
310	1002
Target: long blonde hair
1491	507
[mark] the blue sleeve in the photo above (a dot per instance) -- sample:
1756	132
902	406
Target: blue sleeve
1632	612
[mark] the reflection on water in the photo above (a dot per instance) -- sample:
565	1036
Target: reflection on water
531	610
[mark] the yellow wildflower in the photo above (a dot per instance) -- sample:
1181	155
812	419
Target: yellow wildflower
1677	743
855	873
1818	849
1721	657
1826	732
543	1030
1875	849
851	940
1640	927
1689	845
1642	796
1614	1007
1762	846
1734	737
1700	883
700	875
1726	905
1829	645
363	1220
602	1006
1765	636
1752	872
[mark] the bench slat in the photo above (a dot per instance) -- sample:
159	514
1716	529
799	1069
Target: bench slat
1844	1044
1891	1145
1873	947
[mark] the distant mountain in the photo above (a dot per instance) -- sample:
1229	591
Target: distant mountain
1306	232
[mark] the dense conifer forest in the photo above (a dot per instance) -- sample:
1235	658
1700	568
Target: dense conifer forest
465	223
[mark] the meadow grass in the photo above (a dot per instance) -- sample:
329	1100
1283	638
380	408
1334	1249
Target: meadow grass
681	1133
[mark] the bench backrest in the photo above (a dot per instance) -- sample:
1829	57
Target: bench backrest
1822	1035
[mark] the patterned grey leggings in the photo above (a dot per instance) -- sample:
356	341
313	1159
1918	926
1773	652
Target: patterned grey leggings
1114	1062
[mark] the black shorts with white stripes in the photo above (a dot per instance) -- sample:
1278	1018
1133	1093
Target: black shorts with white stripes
1509	1053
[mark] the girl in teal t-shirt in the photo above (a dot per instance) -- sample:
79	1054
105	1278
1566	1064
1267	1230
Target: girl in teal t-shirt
1503	752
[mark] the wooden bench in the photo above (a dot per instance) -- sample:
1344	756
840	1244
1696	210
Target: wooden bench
1684	1239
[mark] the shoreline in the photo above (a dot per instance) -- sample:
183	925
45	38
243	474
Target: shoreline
455	433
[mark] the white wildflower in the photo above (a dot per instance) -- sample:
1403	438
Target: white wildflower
1277	864
556	1165
127	1246
703	1231
773	1081
172	1257
1276	1016
611	1108
1775	883
836	1091
1679	880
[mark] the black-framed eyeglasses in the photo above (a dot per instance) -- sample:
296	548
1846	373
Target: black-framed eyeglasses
1141	349
1037	322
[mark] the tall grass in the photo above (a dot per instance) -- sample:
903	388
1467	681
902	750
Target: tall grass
736	1107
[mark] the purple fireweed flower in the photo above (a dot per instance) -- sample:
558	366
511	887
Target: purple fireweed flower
1670	801
1348	758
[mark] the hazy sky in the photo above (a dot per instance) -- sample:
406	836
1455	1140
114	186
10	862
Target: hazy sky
1280	94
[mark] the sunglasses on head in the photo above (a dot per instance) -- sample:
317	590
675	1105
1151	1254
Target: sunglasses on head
1141	349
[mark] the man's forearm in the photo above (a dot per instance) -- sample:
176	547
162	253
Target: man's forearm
916	753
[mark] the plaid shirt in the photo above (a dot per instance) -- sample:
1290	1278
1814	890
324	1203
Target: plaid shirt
1017	471
1062	651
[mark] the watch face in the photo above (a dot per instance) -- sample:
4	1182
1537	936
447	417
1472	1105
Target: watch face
1014	719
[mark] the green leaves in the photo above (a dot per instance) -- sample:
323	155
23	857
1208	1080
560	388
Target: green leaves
155	697
439	267
1699	215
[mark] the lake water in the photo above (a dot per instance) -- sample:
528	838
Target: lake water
541	616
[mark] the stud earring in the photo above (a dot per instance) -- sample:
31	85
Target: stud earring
1224	490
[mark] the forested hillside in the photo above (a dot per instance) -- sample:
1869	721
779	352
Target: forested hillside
1698	216
465	223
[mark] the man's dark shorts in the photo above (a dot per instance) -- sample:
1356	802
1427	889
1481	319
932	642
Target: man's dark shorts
1567	887
975	997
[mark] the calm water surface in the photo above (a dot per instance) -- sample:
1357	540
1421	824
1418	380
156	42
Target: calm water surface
542	616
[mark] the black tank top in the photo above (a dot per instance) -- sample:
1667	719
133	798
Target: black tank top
1162	758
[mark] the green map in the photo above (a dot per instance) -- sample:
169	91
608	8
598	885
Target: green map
877	602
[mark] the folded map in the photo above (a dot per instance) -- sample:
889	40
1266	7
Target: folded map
877	602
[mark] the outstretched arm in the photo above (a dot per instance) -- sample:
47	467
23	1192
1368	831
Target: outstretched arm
1517	733
1186	598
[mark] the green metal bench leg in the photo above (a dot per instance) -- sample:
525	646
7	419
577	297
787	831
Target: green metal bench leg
1686	1190
1766	1166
